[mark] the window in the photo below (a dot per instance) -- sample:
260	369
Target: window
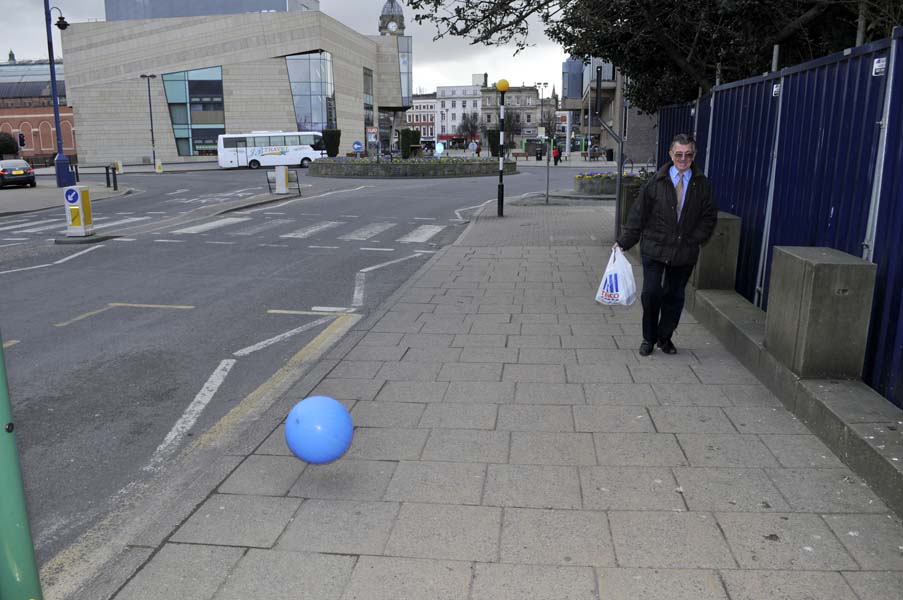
489	118
443	129
454	116
476	116
529	117
368	97
463	103
442	104
454	103
196	109
517	117
313	90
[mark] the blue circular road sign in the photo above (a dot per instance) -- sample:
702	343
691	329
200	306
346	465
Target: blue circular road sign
440	148
357	146
71	196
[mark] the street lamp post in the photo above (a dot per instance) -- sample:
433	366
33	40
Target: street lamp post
64	178
546	136
147	77
502	87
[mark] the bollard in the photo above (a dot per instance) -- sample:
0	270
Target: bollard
106	171
77	177
115	183
18	569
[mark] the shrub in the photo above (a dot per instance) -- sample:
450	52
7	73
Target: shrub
8	144
406	139
332	137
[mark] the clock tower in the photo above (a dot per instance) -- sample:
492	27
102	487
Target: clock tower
391	21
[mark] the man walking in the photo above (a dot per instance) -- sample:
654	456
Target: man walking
674	215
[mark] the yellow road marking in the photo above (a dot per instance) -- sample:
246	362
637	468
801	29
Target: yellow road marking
260	399
10	344
120	305
299	312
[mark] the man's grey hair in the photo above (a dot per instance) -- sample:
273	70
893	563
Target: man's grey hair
685	139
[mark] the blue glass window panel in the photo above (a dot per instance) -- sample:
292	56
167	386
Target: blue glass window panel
181	131
318	108
176	91
179	114
177	76
301	89
212	73
298	68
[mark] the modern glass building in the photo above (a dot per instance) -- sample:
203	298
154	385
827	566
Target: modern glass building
119	10
293	70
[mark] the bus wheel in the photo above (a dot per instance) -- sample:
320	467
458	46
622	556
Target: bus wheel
254	164
305	162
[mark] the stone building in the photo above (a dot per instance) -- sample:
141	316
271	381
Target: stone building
422	117
291	70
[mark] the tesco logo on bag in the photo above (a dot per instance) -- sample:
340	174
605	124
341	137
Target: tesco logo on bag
611	292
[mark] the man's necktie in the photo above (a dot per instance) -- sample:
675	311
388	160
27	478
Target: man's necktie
679	189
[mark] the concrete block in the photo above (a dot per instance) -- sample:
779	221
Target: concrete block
532	486
557	537
783	542
716	268
820	303
446	531
669	540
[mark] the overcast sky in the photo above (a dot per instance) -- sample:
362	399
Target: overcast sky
446	62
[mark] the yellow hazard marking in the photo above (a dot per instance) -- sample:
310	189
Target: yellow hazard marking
75	216
120	305
260	399
86	207
9	344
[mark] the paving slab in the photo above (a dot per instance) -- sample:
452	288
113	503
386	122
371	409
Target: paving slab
264	475
535	417
801	451
390	443
826	491
387	414
630	488
613	419
516	582
547	448
659	584
182	571
346	479
638	449
690	419
620	394
532	486
875	541
437	482
558	537
391	578
725	450
412	391
474	392
876	585
446	531
467	445
339	527
725	489
786	585
449	415
669	540
250	521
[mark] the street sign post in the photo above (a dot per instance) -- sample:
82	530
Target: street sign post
357	147
78	211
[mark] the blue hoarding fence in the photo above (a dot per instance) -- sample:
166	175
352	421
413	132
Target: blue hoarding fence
812	155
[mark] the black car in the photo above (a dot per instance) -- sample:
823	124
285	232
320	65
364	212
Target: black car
16	172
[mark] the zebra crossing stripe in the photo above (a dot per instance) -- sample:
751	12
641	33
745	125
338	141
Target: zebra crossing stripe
421	234
262	227
213	225
121	222
28	224
310	230
367	232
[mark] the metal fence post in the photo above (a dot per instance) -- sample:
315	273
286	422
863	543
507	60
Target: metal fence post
106	171
18	569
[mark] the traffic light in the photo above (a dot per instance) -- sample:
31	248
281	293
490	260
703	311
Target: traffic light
21	140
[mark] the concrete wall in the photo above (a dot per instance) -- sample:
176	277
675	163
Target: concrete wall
104	62
117	10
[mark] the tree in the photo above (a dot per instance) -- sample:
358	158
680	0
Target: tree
670	49
469	126
8	144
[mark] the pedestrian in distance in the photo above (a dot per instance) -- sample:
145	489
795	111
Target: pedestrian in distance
556	155
479	149
472	146
674	215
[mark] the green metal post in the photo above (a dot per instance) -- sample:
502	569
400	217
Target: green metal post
18	569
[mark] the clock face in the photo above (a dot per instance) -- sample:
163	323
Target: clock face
393	26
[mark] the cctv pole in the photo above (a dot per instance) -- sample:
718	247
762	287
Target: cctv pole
18	569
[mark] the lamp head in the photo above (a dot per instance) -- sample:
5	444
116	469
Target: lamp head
62	24
502	85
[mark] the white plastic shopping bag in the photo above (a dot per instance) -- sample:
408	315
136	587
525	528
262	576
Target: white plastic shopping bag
618	285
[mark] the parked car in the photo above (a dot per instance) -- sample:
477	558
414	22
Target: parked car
16	172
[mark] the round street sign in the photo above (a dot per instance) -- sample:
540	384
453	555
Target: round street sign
440	148
71	196
357	146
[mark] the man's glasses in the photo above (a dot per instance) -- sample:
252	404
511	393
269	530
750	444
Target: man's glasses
683	155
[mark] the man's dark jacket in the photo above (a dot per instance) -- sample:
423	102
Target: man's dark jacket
653	217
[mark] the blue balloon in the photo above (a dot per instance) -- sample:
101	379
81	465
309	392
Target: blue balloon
318	430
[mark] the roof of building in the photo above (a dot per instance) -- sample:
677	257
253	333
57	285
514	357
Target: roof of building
29	89
392	8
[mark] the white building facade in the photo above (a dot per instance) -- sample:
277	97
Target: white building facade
456	104
422	116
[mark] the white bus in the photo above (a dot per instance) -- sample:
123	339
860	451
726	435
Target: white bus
269	148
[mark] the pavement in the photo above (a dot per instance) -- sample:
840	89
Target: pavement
510	443
47	195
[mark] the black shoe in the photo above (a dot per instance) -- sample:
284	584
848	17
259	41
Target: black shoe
646	348
667	347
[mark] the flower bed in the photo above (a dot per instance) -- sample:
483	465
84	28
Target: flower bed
595	184
410	167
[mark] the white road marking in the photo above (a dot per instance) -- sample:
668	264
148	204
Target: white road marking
272	213
121	222
424	218
221	243
77	254
157	212
281	336
350	216
24	269
177	192
15	239
460	210
324	247
378	249
125	213
273	245
262	227
310	197
191	414
368	231
213	225
310	230
329	309
358	297
386	264
124	240
28	224
170	241
13	244
421	234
